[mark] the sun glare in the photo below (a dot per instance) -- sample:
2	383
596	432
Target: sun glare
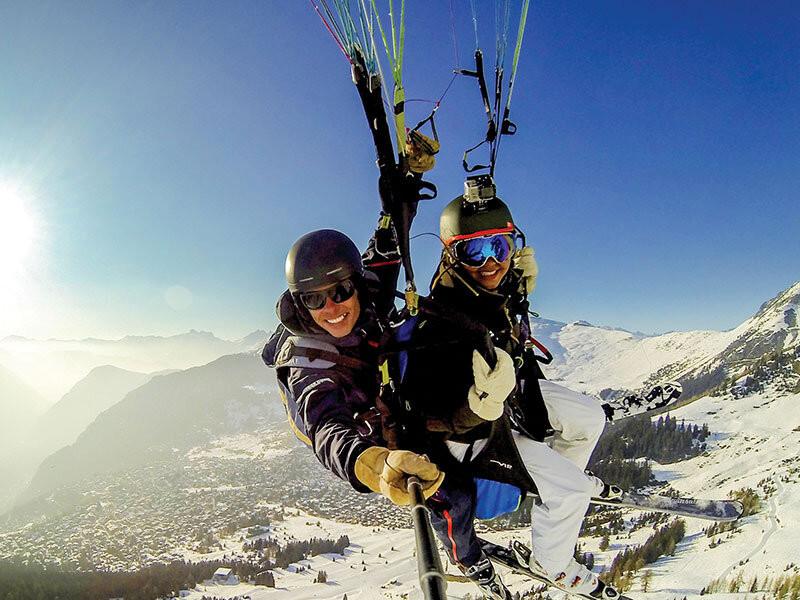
17	230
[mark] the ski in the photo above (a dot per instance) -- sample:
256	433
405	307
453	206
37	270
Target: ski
711	510
661	395
516	558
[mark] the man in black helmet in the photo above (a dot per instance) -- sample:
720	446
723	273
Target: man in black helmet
323	269
486	276
325	353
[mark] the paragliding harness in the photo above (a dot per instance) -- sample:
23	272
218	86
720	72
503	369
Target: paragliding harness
530	416
527	409
299	351
500	476
400	188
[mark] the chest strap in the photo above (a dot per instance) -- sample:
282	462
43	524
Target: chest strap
313	354
299	351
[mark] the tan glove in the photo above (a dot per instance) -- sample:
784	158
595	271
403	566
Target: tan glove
387	471
525	261
488	394
420	150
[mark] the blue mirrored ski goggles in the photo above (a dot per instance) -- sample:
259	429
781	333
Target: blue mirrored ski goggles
475	252
340	292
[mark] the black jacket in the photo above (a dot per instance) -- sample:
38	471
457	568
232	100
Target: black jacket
331	406
330	401
500	311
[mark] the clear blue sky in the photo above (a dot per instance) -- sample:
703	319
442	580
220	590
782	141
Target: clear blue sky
183	146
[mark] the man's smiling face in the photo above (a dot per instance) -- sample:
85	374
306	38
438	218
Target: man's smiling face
337	318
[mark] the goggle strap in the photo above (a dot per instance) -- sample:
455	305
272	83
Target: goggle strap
486	233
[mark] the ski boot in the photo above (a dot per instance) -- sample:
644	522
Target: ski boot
609	491
486	578
576	579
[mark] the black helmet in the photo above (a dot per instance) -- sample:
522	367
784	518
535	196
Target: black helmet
321	258
478	212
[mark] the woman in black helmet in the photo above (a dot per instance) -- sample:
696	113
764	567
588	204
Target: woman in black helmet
486	276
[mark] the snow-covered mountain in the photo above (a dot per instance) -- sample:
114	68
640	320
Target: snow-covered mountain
594	359
52	367
771	334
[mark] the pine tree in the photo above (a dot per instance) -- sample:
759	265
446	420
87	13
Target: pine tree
647	577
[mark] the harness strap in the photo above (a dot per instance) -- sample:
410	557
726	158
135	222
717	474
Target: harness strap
491	127
548	356
317	354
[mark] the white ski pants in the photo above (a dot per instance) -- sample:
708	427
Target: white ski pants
558	471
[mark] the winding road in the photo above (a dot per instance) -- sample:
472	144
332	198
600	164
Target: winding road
773	517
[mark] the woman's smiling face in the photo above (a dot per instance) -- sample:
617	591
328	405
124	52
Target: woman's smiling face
490	274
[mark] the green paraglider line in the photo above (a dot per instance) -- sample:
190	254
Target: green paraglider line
506	127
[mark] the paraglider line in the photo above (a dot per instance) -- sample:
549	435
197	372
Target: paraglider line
330	30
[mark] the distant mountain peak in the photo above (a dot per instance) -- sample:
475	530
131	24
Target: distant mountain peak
14	338
192	334
256	338
582	323
258	333
786	302
106	369
200	333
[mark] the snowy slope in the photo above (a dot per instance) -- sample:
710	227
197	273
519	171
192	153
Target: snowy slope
346	575
599	358
592	359
755	438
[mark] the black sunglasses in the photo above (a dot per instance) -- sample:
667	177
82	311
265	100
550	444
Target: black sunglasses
340	292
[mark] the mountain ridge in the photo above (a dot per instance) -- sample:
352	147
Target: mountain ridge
169	411
587	358
597	358
52	367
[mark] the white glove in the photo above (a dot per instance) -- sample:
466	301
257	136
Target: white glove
492	386
525	261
